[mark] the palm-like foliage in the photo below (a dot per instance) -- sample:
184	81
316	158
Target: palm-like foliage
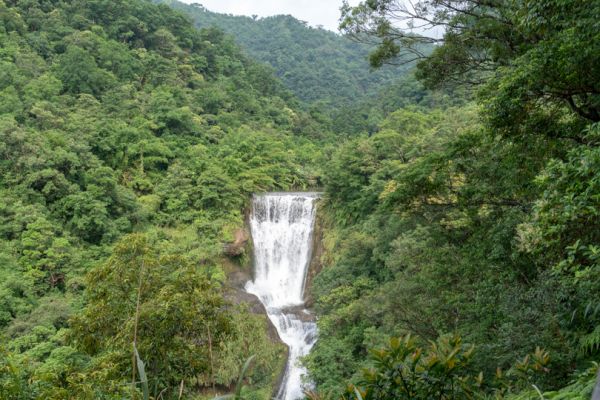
237	394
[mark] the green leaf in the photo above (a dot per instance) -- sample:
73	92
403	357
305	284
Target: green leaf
142	372
243	371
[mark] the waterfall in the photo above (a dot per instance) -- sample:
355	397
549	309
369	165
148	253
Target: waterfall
281	226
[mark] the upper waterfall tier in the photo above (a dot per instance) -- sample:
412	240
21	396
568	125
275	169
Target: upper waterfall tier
281	226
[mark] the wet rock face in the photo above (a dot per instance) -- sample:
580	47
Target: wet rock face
316	263
237	276
596	394
237	247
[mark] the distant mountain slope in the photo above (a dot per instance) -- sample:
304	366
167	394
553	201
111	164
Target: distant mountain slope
316	64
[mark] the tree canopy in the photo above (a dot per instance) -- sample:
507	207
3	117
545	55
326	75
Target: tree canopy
130	143
459	220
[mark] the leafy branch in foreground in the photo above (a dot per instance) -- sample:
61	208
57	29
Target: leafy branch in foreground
442	369
404	370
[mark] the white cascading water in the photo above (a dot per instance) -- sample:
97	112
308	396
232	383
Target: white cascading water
282	225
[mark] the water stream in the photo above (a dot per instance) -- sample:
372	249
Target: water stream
282	226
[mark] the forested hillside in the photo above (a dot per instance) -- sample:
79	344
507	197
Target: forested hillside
314	63
130	143
463	240
460	220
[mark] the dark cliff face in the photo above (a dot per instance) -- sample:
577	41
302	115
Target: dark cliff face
239	267
316	262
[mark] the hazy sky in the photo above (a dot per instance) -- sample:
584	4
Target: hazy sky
315	12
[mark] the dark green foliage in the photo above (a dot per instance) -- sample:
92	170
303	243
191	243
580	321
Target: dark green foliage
533	58
445	224
427	242
237	395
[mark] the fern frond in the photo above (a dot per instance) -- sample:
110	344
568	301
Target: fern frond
590	343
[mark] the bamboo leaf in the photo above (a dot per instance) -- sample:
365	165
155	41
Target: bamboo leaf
358	395
539	392
238	387
142	371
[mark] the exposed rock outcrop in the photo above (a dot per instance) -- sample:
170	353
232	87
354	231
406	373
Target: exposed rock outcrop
238	246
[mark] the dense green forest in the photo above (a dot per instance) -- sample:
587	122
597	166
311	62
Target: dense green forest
315	64
472	227
461	213
130	143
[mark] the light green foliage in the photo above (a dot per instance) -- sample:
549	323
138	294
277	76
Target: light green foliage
178	305
141	368
237	395
13	378
563	231
407	368
130	143
248	339
405	371
120	117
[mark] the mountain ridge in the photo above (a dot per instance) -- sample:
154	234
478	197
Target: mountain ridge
316	64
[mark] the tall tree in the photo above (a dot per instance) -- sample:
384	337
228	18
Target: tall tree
534	53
